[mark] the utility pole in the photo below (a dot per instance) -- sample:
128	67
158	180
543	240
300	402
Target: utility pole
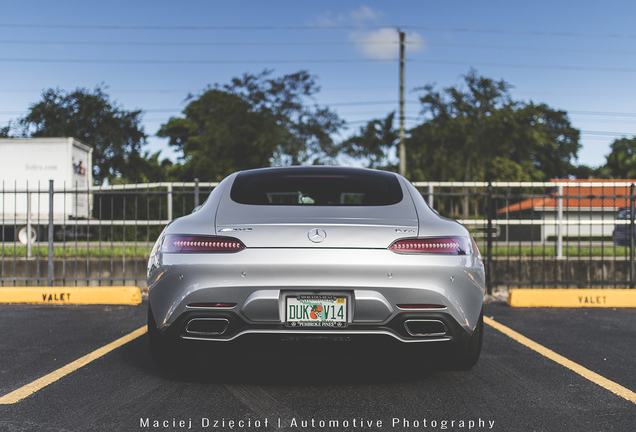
401	148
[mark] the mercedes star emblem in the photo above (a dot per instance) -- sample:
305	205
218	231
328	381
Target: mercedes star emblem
317	235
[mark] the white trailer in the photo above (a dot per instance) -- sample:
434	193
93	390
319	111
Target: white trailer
26	167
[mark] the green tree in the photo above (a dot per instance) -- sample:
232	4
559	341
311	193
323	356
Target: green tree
5	132
148	168
467	119
116	135
373	143
586	172
222	133
480	133
621	162
308	127
255	121
544	136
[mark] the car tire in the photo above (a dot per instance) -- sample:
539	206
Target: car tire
22	231
164	351
468	350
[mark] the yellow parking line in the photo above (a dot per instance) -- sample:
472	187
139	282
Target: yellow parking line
29	389
584	372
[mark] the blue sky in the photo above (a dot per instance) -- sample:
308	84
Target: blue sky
576	56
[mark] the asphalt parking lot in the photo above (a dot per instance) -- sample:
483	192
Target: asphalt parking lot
512	388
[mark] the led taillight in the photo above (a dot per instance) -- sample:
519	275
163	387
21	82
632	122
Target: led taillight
201	244
437	245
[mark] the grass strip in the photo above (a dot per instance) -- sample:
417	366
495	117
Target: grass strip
132	251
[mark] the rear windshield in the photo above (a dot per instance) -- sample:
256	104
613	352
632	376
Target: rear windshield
316	187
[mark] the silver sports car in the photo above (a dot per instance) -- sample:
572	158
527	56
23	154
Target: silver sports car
330	253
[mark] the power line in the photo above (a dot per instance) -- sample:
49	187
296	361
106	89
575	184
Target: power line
604	95
602	113
314	27
322	90
354	88
389	102
528	48
127	43
606	133
137	61
168	110
590	134
324	61
524	32
528	66
188	28
287	43
368	103
362	103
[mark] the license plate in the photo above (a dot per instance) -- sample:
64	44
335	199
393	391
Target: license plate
316	311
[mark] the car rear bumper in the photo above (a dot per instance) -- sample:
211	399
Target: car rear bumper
404	327
253	285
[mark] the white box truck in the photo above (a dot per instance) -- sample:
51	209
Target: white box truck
26	167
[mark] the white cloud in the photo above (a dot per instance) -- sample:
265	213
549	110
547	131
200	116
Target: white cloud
365	13
381	44
328	19
384	44
357	17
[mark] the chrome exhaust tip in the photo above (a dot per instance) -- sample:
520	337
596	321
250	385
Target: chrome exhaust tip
425	327
207	326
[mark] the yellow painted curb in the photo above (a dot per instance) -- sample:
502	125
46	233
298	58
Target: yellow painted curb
572	298
71	295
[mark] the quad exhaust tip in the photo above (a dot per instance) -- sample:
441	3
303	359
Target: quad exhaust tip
425	328
207	326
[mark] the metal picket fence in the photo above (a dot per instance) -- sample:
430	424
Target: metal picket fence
565	234
59	236
551	234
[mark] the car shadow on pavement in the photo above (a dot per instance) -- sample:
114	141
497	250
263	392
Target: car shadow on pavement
292	364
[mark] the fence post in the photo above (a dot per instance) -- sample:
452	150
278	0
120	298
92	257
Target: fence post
559	252
196	192
49	277
489	241
29	224
632	264
170	202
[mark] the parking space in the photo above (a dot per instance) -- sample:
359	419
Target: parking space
40	339
600	340
512	388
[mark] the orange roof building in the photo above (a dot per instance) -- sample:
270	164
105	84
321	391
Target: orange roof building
589	209
579	194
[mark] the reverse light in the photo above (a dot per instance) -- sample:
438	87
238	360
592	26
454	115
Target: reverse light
201	244
420	306
211	305
437	245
